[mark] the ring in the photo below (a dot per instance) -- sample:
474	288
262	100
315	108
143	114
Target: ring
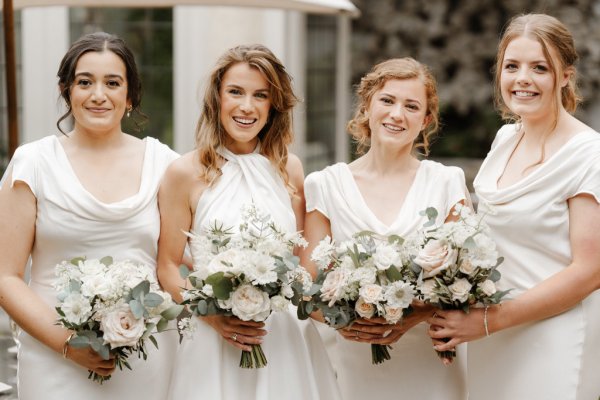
356	335
434	315
234	337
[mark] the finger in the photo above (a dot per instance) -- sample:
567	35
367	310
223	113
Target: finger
373	329
439	333
371	321
237	344
450	345
246	331
234	321
104	371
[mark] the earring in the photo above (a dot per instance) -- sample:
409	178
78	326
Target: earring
129	111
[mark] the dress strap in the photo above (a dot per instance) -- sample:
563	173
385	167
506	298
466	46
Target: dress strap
230	156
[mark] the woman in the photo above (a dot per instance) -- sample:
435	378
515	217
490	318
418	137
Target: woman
91	192
241	156
383	191
540	189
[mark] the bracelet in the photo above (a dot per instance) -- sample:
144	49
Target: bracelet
485	320
65	347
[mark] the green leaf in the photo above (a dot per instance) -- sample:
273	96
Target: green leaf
107	261
172	312
431	214
79	341
153	300
221	285
161	325
76	260
184	271
141	289
202	307
137	309
495	276
393	274
153	340
395	239
469	243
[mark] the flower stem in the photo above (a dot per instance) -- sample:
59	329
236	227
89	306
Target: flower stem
380	353
253	359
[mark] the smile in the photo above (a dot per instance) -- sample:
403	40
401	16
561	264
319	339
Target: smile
244	121
394	128
520	93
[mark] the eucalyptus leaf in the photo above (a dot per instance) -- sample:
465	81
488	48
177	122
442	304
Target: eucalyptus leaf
79	341
140	289
107	261
393	274
153	340
161	326
77	260
137	309
184	271
153	300
202	307
172	312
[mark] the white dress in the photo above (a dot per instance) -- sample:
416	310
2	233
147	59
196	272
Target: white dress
71	222
414	371
559	357
206	366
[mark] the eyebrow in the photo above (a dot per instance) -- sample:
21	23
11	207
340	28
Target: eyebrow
89	75
541	61
233	85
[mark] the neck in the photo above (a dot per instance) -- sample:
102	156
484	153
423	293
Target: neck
384	161
85	138
538	129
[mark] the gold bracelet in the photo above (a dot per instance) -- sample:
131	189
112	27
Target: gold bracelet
485	320
65	348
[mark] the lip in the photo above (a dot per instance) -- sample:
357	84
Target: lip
244	122
97	110
524	94
393	127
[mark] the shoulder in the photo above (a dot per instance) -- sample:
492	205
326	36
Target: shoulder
295	170
183	170
443	171
326	174
160	149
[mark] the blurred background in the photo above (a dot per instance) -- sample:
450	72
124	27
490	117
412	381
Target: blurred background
326	53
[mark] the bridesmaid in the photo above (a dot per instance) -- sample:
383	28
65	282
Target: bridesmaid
91	192
540	184
241	156
383	191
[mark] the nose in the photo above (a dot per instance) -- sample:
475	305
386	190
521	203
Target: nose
523	77
98	94
397	111
247	103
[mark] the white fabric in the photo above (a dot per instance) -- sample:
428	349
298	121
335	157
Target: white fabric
557	358
71	222
414	371
206	366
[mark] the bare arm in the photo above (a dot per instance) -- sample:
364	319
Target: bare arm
557	294
296	176
18	207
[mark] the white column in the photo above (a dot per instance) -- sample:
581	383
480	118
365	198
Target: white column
45	40
295	61
201	34
342	85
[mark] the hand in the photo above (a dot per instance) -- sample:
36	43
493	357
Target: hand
240	334
92	361
457	327
372	330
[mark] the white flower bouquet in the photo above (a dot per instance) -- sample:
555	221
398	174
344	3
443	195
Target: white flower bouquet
368	276
247	274
113	307
458	262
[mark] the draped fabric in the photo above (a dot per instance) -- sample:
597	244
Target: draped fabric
414	371
559	357
207	367
71	222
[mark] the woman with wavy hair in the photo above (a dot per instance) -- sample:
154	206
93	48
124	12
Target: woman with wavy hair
383	191
540	190
241	156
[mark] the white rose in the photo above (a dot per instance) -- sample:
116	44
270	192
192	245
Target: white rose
97	285
364	276
460	290
386	256
435	257
393	314
427	289
226	261
334	285
488	287
364	309
91	267
250	304
371	293
467	267
121	328
279	303
77	309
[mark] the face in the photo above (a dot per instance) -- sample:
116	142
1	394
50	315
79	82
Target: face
397	113
99	92
245	105
527	81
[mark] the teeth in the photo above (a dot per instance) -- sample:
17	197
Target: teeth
245	121
524	94
393	127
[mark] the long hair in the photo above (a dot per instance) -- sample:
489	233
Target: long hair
277	133
98	42
396	68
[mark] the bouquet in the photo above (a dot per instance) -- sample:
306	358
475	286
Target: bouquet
368	276
458	261
247	274
113	307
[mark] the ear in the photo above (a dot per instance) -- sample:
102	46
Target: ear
426	121
566	75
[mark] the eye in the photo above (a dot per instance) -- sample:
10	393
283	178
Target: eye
83	82
235	92
540	68
386	100
262	95
511	67
113	84
413	107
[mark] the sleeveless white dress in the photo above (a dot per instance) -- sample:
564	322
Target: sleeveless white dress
559	357
206	366
71	222
414	371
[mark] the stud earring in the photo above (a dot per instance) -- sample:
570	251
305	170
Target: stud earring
129	111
